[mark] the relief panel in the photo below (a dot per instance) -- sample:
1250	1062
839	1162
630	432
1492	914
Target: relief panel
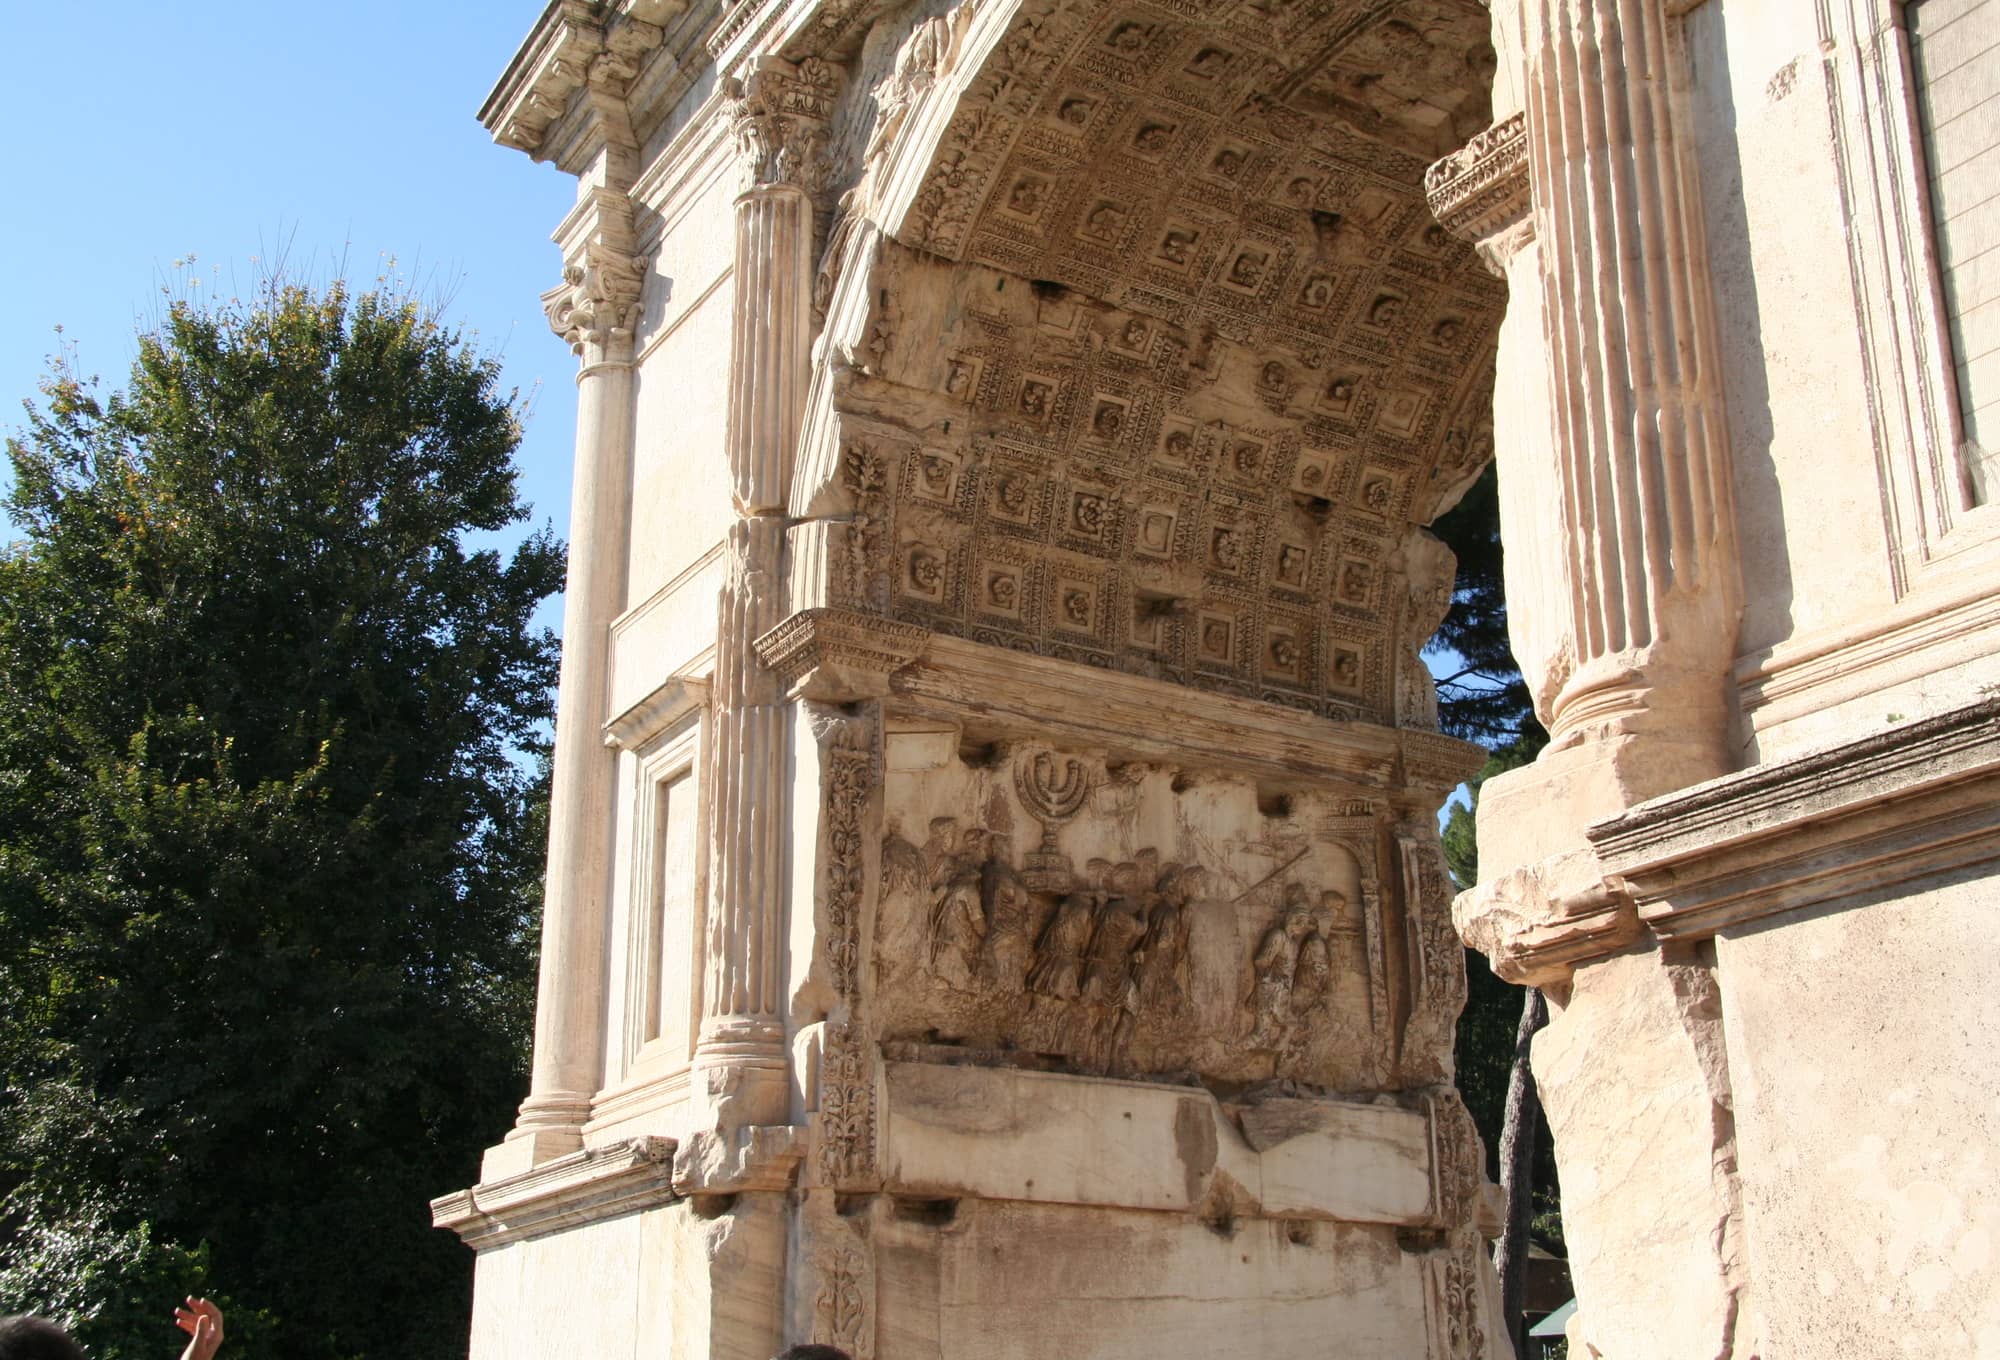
1129	920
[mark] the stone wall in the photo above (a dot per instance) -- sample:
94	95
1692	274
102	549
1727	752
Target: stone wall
1006	438
1740	870
994	855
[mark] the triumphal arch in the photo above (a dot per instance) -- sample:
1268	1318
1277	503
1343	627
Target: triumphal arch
994	903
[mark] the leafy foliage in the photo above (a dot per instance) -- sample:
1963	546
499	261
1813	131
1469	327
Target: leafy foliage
267	883
1482	697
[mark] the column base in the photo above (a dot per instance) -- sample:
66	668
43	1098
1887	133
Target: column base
550	1125
741	1078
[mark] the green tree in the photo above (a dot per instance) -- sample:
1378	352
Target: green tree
268	886
1481	696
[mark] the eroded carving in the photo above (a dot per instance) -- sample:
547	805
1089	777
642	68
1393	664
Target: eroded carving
1438	956
1482	189
846	1109
780	122
1255	959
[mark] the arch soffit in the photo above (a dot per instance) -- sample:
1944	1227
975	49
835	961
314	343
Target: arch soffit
1165	356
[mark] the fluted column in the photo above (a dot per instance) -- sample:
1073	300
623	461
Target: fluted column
594	309
741	1053
1614	465
1642	490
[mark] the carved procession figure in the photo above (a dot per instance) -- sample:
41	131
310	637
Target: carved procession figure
1060	953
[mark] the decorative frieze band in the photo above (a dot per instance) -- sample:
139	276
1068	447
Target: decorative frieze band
838	655
1482	189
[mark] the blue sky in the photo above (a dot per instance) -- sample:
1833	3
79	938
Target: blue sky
233	132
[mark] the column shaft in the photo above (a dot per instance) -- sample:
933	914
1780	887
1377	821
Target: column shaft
741	1051
569	1037
1640	490
593	309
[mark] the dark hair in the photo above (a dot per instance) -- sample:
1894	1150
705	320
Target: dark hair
806	1350
25	1337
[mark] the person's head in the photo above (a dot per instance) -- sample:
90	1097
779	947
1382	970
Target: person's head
812	1350
26	1337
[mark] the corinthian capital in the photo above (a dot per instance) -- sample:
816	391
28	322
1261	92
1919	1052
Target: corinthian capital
780	122
598	300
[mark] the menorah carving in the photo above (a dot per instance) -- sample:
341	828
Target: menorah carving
1052	788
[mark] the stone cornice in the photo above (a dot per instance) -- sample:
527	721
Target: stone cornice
1537	922
839	656
1913	801
535	89
675	698
790	28
582	1187
1481	191
576	44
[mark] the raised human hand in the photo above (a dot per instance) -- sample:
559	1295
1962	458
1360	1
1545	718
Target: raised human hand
202	1321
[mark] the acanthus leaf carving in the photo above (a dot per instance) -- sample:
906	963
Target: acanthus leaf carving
849	781
841	1313
1463	1308
1458	1169
597	301
780	122
846	1109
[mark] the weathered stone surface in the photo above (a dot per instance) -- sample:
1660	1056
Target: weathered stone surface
1658	1127
996	772
1040	1138
1871	1207
1012	829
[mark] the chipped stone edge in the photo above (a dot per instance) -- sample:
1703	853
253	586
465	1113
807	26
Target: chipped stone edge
568	1192
1913	801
